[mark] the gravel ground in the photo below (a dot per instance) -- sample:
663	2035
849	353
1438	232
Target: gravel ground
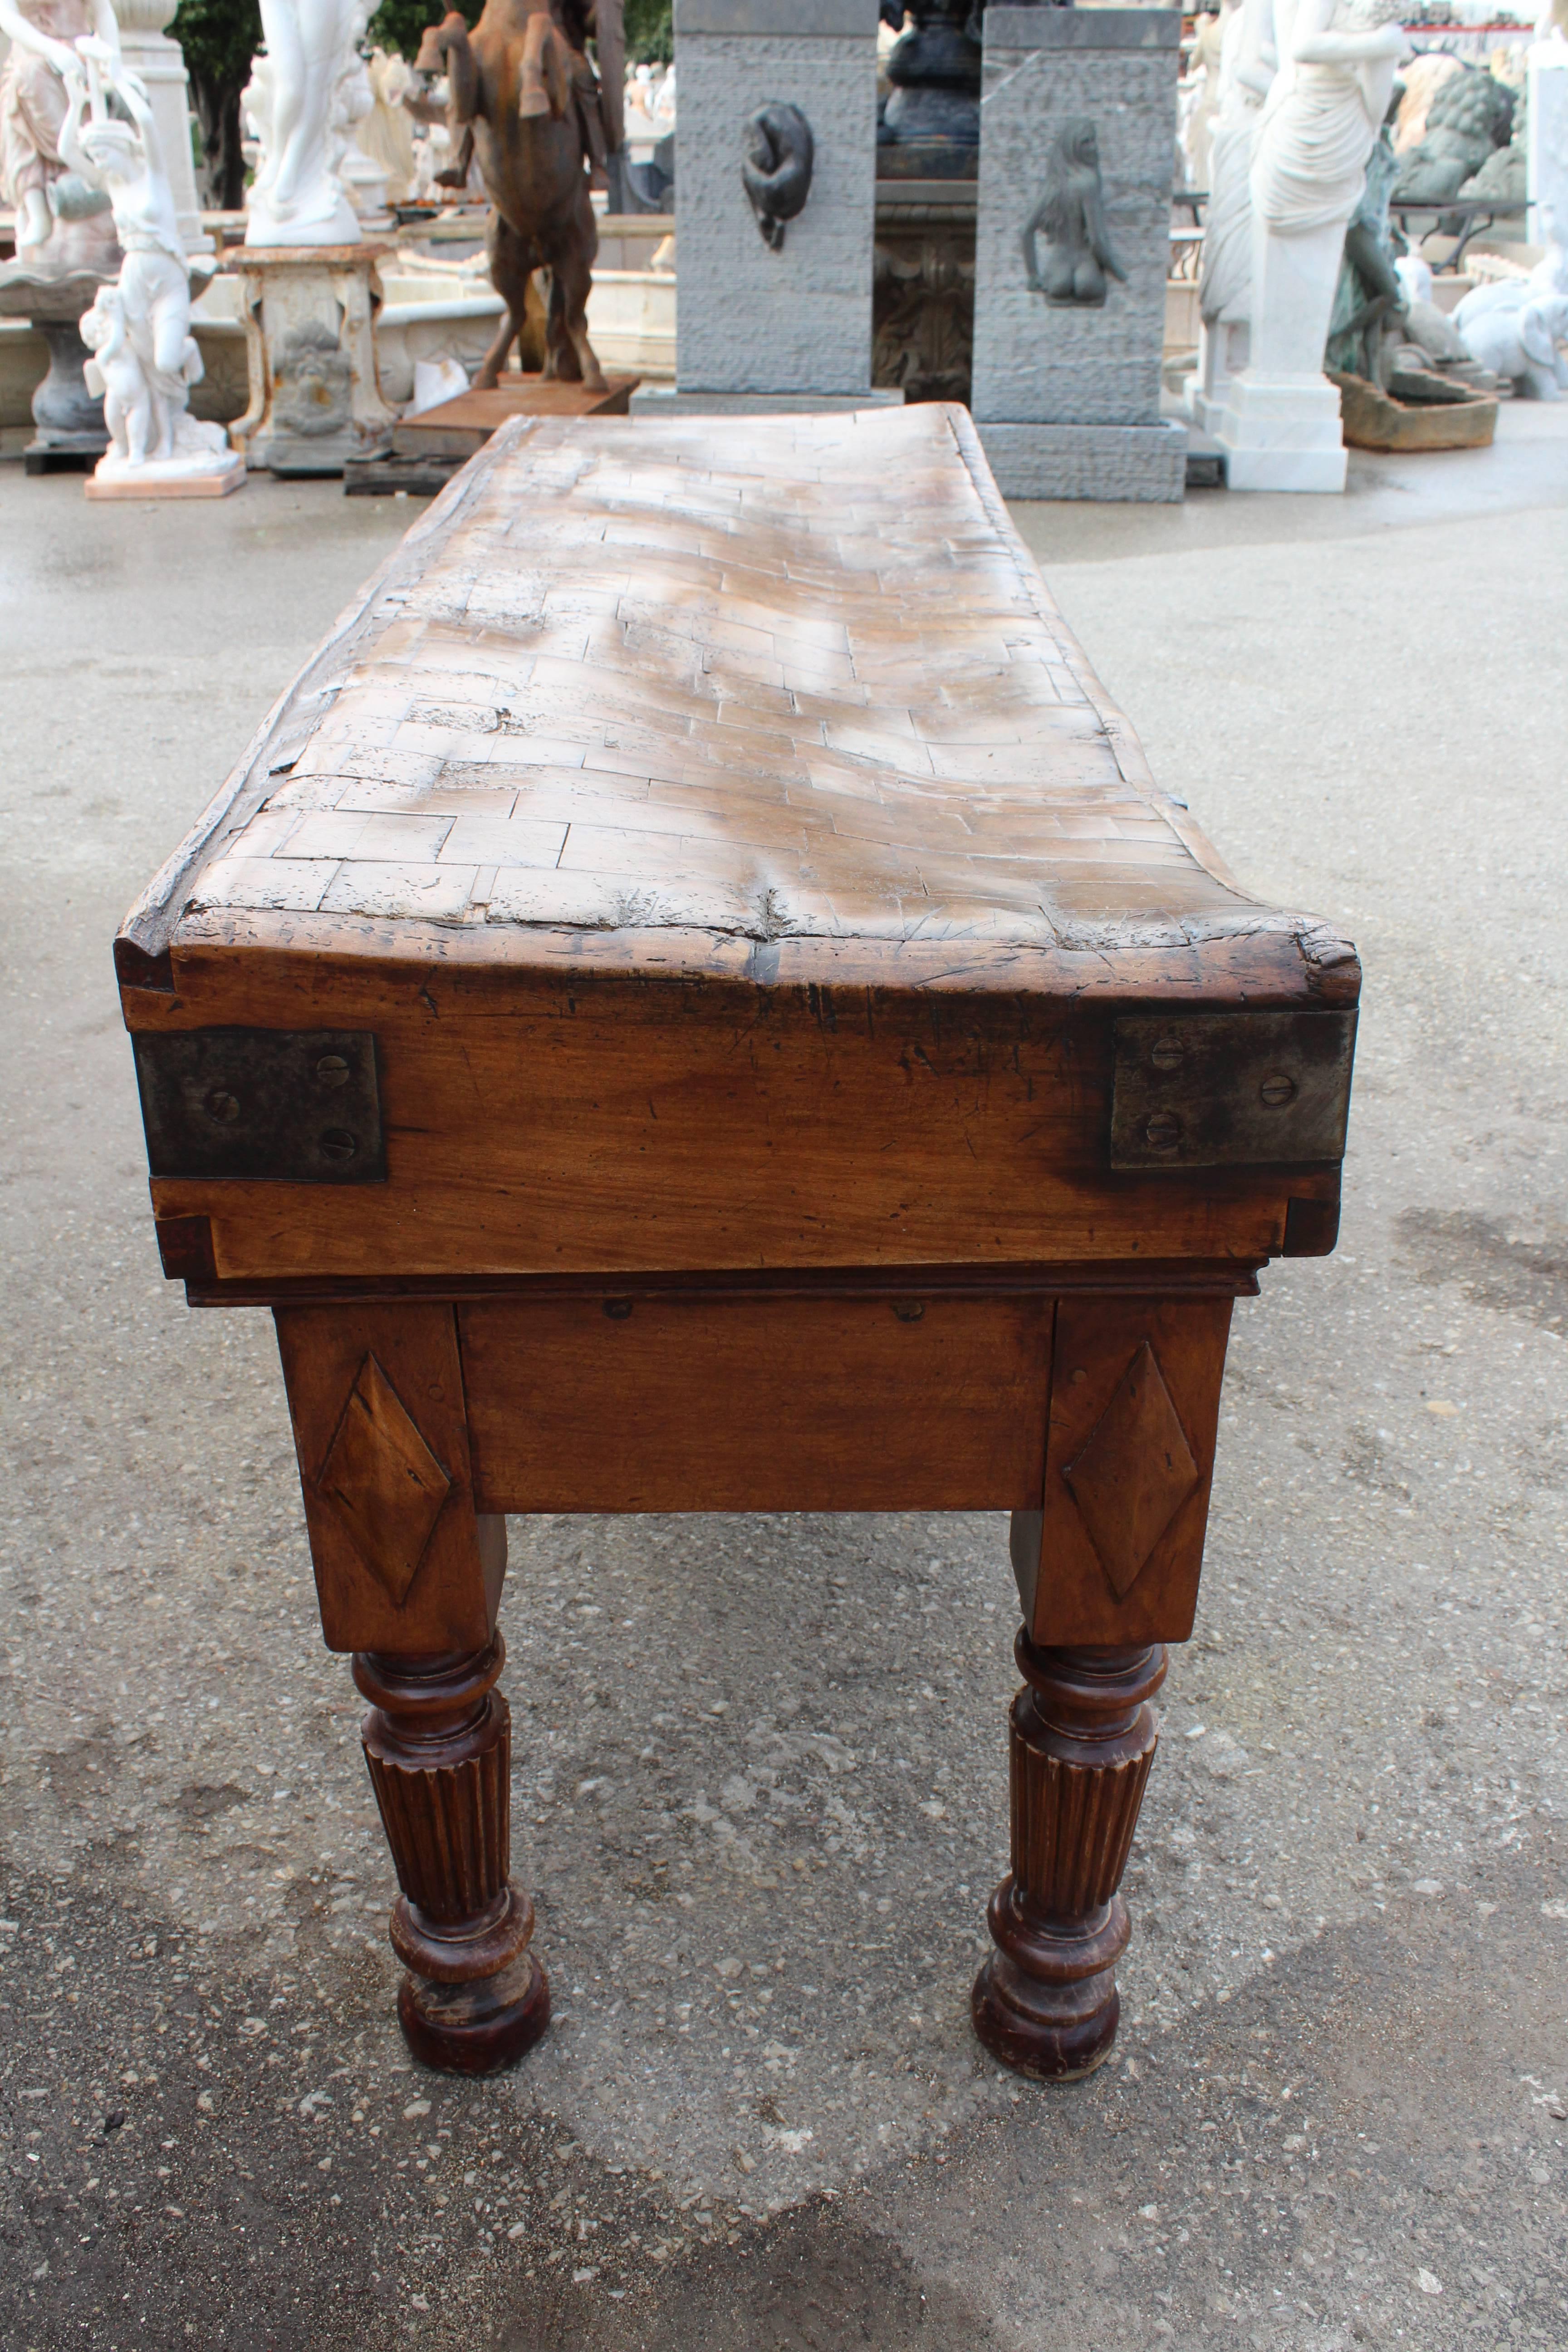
761	1831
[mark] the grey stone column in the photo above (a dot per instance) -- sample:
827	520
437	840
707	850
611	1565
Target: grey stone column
759	325
1067	390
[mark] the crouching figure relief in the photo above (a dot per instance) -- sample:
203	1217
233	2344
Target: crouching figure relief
1079	258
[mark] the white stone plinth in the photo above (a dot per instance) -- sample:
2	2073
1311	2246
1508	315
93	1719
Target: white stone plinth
194	474
148	51
750	318
1282	434
310	326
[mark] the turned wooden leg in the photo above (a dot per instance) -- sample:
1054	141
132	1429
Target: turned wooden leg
437	1740
1082	1741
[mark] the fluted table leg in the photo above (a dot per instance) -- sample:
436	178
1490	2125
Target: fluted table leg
1082	1741
437	1740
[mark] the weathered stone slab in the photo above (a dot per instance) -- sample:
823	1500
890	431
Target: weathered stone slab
750	318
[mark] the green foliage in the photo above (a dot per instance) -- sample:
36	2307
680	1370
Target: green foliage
400	24
219	38
651	33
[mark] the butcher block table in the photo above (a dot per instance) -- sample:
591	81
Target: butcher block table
694	1002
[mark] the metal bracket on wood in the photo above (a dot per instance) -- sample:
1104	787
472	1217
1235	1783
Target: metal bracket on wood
1230	1090
270	1106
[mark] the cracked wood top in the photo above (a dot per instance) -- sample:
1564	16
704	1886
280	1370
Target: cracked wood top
735	865
750	681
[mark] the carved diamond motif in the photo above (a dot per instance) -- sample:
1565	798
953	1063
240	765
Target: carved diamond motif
1134	1474
384	1482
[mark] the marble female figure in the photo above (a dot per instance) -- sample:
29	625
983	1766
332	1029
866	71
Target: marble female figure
298	198
1309	168
33	103
1281	428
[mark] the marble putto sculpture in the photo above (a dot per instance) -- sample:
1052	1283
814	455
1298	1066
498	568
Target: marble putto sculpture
1280	430
308	90
145	358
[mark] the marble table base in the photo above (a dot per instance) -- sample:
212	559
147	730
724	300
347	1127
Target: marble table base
316	403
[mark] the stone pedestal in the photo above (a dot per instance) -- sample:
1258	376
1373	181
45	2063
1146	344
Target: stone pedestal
1281	429
754	318
315	396
68	419
148	51
1282	435
1066	385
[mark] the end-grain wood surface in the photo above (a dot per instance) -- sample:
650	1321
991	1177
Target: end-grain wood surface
738	865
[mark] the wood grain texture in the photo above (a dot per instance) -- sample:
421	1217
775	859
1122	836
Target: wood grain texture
1135	1389
376	1394
771	679
684	805
437	1743
786	1404
559	1124
1081	1742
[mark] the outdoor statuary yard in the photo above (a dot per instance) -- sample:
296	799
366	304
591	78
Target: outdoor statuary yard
760	1832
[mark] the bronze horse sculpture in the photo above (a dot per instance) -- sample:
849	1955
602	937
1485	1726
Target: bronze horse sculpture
525	100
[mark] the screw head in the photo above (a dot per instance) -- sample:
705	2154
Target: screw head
338	1144
1167	1053
1162	1132
1278	1089
331	1070
223	1106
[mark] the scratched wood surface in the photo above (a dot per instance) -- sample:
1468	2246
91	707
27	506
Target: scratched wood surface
765	678
738	865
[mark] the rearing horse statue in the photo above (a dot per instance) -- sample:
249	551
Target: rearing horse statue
524	100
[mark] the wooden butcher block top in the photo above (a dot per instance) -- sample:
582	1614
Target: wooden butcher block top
703	845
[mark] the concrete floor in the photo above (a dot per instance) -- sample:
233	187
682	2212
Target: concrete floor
1338	2110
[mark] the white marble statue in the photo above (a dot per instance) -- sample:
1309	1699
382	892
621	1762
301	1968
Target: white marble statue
1248	64
1337	61
34	102
1517	329
139	329
305	94
1546	152
1198	96
386	134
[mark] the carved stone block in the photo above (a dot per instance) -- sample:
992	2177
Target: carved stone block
753	316
1077	137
